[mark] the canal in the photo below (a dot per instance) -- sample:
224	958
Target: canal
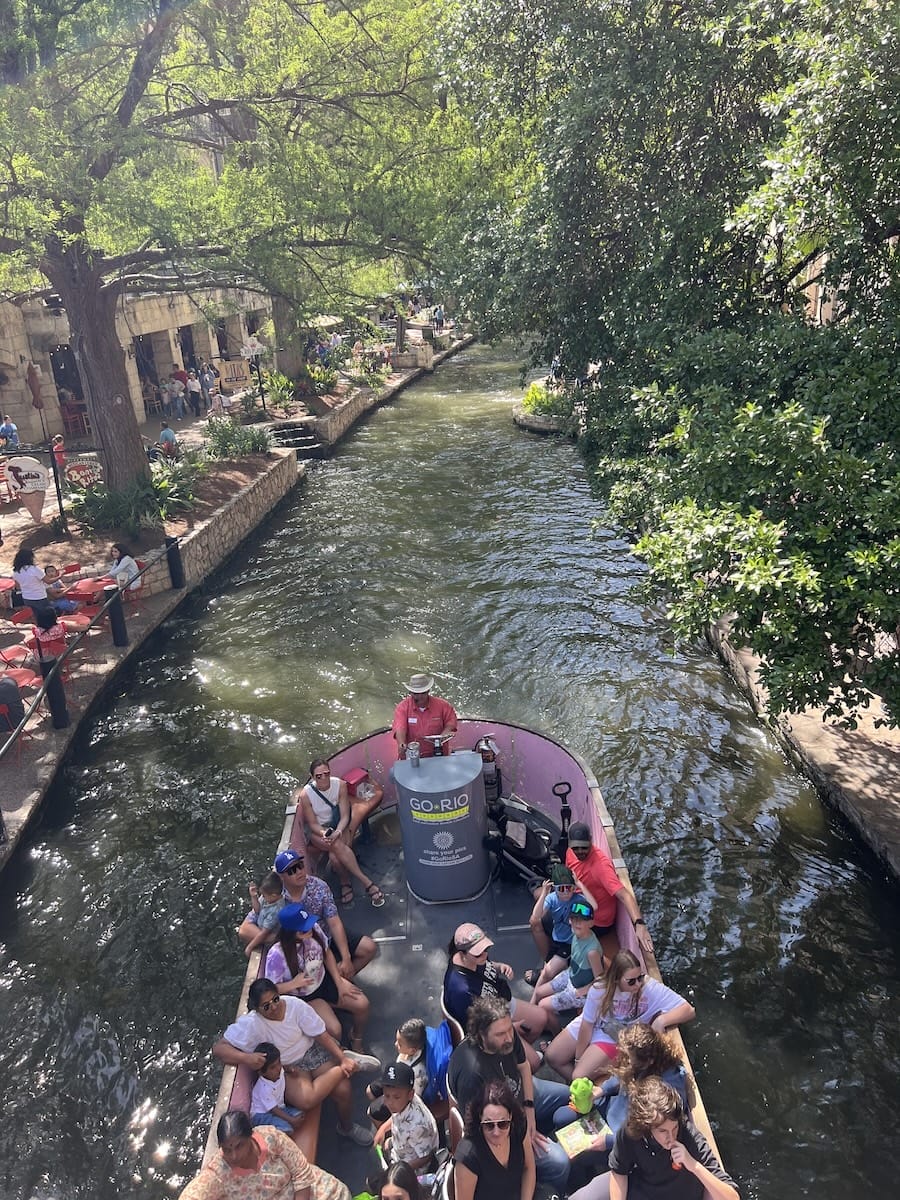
439	537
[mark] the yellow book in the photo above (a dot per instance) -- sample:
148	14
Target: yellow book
580	1134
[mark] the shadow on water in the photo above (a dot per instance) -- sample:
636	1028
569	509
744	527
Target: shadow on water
438	536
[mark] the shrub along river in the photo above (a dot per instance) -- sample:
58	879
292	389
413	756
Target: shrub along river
438	537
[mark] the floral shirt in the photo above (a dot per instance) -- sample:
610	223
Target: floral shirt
281	1172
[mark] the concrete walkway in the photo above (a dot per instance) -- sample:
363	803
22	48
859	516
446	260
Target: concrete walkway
856	770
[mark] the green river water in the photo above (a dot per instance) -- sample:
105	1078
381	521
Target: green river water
438	537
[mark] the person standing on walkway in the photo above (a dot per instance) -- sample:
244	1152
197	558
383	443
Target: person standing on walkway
9	434
421	715
194	392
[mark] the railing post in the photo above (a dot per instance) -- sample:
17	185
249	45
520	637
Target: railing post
116	613
55	695
176	564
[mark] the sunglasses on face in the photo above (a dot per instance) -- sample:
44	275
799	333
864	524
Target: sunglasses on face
565	888
634	980
502	1124
268	1005
295	867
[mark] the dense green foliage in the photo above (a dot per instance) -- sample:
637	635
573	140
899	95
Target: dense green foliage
227	439
176	144
704	201
143	504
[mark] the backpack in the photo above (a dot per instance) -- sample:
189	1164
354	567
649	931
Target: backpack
438	1048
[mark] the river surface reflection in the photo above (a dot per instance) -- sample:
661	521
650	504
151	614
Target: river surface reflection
438	537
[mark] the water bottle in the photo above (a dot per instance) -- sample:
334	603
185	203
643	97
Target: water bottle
412	754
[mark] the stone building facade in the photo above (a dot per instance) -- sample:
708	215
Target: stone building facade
155	331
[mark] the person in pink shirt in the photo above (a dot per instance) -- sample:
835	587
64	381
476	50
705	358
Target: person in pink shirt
420	716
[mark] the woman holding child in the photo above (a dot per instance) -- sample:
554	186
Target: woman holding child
494	1158
330	824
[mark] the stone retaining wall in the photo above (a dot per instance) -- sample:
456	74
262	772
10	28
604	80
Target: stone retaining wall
209	544
856	770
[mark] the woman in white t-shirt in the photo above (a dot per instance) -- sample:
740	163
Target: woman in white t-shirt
303	1042
625	996
31	581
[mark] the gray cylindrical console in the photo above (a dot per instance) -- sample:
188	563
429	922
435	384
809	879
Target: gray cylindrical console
443	822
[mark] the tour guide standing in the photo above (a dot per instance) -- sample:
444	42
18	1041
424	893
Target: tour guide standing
493	1050
421	716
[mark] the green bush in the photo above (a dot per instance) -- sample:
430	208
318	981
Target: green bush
174	484
226	439
144	504
279	390
542	402
133	508
324	378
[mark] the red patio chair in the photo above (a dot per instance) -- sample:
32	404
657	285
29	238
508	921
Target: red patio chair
6	726
22	616
15	655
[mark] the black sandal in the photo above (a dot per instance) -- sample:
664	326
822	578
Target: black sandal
531	977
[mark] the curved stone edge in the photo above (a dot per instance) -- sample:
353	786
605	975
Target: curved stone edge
535	423
857	771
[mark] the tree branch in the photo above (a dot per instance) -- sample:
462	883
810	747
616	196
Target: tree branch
145	63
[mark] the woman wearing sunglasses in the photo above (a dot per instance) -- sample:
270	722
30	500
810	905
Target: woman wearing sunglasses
624	996
494	1159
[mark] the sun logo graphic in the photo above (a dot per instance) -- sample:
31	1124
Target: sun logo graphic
442	841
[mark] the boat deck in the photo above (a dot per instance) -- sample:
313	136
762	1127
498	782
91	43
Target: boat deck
405	979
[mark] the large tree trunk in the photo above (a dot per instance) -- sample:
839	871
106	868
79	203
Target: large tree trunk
91	310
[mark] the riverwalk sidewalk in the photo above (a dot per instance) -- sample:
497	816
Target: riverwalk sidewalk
856	770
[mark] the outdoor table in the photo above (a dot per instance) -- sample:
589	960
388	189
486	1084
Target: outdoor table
76	621
84	589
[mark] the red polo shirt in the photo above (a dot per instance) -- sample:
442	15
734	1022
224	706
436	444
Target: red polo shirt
601	880
412	724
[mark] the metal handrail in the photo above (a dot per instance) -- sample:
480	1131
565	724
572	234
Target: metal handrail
16	733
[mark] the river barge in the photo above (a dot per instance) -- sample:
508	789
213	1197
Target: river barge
412	929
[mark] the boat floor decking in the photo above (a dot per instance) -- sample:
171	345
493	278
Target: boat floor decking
405	979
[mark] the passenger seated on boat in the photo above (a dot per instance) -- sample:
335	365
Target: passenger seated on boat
410	1132
260	1164
494	1157
302	964
330	822
353	952
642	1053
400	1183
549	923
659	1152
492	1050
267	1103
625	996
267	902
471	974
599	883
562	989
316	1066
409	1040
421	715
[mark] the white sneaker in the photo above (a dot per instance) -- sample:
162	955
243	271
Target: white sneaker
356	1133
365	1062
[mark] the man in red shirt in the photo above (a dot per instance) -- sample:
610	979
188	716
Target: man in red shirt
420	716
605	891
